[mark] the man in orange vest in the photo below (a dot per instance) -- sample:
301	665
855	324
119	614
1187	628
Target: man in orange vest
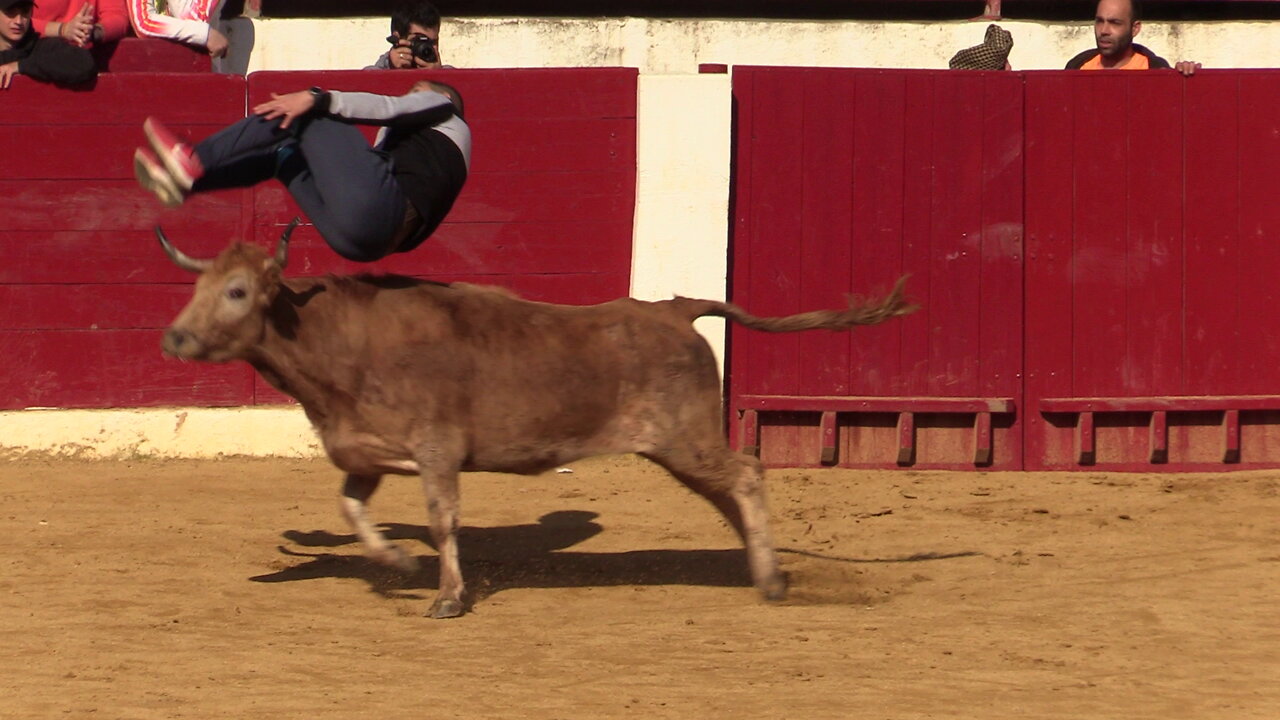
1115	24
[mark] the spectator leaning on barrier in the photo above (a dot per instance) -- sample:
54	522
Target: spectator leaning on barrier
24	52
1115	24
992	54
415	38
366	202
184	21
82	22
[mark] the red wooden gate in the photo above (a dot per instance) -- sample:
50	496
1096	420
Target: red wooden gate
1152	253
1142	315
843	181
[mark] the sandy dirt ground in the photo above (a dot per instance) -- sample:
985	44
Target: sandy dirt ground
233	589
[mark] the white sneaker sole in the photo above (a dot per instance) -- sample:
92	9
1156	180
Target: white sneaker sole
157	180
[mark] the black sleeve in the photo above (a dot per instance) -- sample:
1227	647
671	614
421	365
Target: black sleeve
56	61
1078	61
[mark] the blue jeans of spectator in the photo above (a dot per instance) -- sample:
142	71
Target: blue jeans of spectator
347	189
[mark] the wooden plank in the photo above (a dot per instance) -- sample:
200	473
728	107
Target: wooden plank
1086	448
63	155
1231	436
982	451
1180	403
1159	437
1048	289
507	197
826	176
955	238
917	232
829	431
877	403
53	206
127	99
1100	219
1152	362
483	248
906	438
554	145
110	368
518	93
749	433
774	287
1212	302
1001	251
877	234
1259	226
72	258
152	55
90	307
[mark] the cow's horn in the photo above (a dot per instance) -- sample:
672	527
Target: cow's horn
282	247
180	258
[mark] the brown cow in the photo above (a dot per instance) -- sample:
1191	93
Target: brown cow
410	377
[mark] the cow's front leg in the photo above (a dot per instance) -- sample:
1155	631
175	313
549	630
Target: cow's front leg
441	489
355	497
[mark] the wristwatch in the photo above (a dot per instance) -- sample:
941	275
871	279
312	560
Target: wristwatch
321	98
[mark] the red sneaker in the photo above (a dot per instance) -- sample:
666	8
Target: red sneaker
156	179
178	157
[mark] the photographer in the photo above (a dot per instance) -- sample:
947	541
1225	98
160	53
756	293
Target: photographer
415	38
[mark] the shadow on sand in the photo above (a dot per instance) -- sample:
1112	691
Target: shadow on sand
530	556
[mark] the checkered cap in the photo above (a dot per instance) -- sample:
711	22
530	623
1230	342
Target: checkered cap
992	54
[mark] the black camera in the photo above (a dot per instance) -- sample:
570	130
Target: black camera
422	47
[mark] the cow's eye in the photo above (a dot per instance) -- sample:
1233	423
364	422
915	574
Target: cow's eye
235	293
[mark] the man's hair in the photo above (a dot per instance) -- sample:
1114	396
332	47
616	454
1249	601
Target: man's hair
414	12
1135	10
450	92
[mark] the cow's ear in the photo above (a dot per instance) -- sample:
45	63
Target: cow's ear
270	276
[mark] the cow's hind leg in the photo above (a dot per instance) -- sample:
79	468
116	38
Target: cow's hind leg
356	490
734	483
441	489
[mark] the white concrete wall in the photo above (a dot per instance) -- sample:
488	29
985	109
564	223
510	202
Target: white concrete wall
159	432
682	192
675	46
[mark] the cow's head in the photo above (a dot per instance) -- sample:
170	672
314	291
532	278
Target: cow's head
227	315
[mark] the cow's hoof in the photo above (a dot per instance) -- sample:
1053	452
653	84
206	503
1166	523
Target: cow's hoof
394	557
445	608
775	589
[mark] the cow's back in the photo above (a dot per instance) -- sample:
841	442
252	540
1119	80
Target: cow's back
528	385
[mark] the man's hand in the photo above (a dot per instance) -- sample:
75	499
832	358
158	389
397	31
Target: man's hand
217	44
7	71
1187	67
288	106
79	29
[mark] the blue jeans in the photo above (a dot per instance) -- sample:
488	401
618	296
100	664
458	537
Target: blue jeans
345	187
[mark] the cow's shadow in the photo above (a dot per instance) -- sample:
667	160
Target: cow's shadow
517	556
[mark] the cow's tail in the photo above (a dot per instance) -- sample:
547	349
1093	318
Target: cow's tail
859	312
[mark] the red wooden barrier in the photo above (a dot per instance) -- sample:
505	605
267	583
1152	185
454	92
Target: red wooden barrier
84	289
1143	316
1151	299
844	180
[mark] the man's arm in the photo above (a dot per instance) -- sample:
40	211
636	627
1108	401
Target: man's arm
417	108
53	60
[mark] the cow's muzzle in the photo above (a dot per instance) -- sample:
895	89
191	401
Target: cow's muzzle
179	343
